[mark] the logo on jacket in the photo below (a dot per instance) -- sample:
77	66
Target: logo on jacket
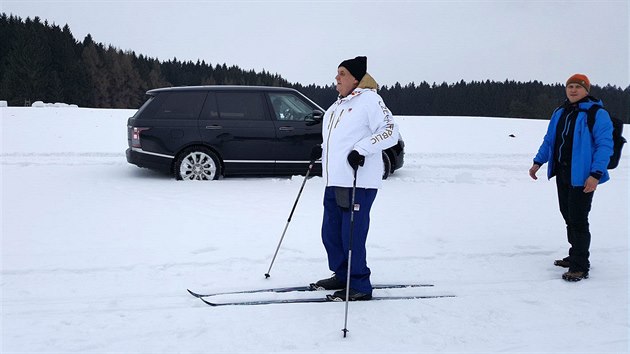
386	134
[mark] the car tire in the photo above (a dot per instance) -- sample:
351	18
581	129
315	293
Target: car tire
387	165
197	164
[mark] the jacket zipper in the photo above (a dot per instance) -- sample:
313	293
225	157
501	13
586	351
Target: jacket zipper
565	132
330	129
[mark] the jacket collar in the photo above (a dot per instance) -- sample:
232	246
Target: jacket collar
367	83
584	103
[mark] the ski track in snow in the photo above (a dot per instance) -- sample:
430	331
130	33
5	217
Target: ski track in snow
63	159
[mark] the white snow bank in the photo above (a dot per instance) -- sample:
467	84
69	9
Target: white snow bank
40	104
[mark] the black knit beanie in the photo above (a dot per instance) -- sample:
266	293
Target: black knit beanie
357	67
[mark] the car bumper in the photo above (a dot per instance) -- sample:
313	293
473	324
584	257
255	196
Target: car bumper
400	160
398	154
151	161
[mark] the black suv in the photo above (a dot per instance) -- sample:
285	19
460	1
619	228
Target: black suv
204	132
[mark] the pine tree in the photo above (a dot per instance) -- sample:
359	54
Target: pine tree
40	61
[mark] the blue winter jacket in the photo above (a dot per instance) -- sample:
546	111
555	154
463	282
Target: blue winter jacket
591	152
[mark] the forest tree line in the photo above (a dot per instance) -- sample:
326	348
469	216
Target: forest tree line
44	62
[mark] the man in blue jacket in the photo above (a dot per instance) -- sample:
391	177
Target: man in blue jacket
578	158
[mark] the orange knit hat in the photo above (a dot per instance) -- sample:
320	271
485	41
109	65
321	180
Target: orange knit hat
581	80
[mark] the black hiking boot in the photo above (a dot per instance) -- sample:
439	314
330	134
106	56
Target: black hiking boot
353	296
332	283
575	275
564	263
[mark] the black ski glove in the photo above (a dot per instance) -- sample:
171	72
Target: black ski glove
355	159
316	152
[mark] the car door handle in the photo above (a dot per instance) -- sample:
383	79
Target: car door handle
286	129
214	127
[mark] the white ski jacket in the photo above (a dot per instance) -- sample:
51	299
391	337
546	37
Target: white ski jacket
360	122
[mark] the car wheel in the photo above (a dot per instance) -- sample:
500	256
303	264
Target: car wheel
197	164
387	165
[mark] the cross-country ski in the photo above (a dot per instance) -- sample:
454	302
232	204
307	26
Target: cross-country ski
311	287
327	298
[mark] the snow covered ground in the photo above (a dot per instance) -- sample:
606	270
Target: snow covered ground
97	254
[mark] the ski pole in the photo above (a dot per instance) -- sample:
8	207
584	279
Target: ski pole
310	167
354	188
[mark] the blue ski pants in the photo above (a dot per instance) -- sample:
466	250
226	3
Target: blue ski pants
336	237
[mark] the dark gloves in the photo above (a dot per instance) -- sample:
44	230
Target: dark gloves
316	152
355	159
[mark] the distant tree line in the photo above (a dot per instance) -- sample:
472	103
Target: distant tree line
44	62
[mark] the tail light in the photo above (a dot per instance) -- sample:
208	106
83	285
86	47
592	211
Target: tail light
135	136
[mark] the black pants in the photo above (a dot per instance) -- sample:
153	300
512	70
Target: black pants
575	206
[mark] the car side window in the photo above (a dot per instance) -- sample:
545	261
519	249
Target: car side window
180	105
289	107
210	110
240	105
143	107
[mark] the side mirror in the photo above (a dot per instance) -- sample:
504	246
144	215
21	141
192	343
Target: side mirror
314	118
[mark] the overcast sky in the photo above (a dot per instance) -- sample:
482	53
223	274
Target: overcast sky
405	41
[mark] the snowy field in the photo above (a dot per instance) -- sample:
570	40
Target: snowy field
97	254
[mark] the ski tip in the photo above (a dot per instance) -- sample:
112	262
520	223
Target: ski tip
194	294
207	302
